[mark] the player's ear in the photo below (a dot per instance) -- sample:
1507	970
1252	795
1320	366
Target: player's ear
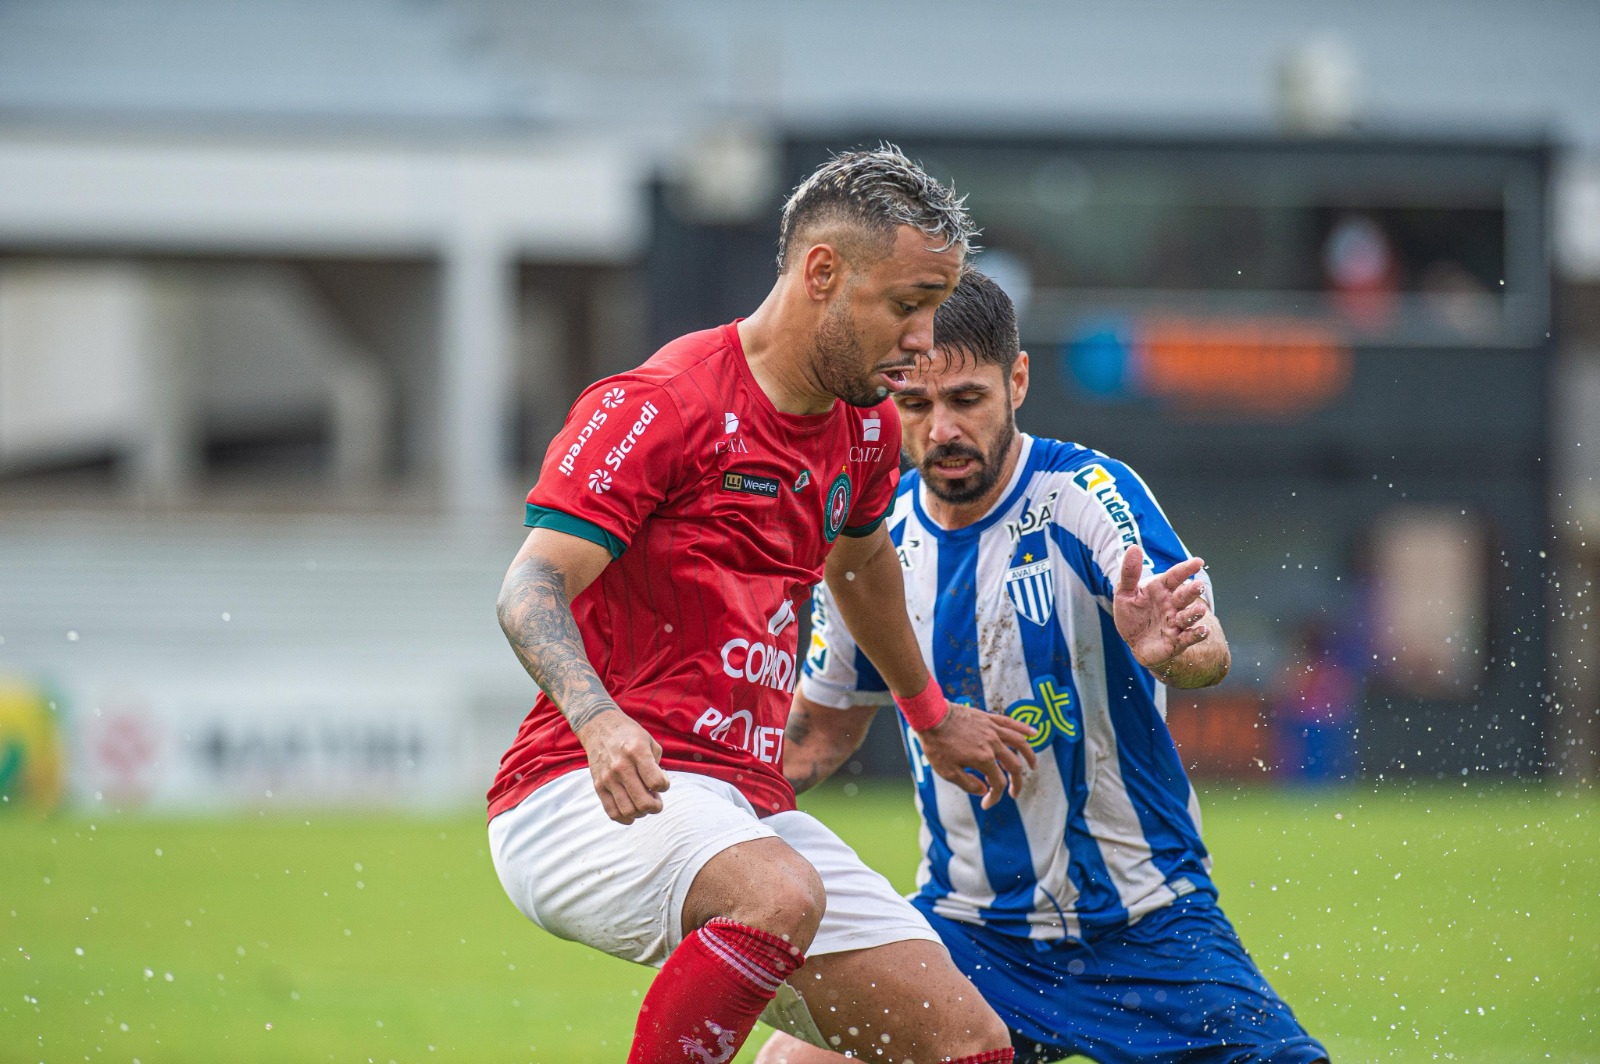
1019	379
822	272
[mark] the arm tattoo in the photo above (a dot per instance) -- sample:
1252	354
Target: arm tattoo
536	617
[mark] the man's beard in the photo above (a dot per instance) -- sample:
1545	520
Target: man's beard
974	487
840	358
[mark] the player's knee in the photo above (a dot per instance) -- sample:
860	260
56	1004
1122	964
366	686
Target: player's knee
982	1030
789	901
763	884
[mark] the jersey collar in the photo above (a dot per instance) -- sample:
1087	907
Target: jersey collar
1008	498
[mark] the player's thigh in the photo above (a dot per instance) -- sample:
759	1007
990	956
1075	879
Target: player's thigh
619	888
876	977
905	999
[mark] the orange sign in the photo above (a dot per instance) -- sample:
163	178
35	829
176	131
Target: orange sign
1275	367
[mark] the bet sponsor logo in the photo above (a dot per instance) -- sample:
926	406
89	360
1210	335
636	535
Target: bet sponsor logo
766	487
871	428
1033	518
570	459
615	456
613	398
1050	713
1102	485
599	481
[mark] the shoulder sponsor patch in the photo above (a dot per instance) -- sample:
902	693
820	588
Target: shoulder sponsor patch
1098	482
766	487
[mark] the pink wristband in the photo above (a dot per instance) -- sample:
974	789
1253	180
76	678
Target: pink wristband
926	710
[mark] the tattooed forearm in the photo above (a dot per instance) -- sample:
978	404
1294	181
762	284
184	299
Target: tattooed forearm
536	617
811	753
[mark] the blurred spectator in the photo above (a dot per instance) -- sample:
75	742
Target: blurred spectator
1314	708
1362	272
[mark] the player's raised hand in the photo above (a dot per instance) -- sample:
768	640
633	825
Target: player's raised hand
1160	617
990	744
625	764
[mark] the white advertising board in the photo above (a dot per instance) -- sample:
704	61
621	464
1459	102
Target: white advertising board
245	745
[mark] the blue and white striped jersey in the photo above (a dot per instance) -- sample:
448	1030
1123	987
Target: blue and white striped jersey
1014	616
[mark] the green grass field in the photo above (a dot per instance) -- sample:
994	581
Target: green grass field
1427	924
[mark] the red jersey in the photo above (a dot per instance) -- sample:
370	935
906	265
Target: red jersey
720	511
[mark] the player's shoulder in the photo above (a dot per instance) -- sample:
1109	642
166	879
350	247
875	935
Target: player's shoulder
685	372
1090	493
1077	466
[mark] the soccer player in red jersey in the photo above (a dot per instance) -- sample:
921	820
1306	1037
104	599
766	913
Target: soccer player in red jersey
679	519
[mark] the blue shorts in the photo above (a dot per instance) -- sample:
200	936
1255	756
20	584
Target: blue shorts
1176	986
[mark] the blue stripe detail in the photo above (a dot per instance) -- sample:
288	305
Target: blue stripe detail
1098	905
938	852
1007	859
1081	560
955	665
1152	772
867	676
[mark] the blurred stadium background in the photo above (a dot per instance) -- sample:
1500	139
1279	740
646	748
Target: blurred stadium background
293	295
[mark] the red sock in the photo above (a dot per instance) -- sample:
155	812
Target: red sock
992	1056
706	999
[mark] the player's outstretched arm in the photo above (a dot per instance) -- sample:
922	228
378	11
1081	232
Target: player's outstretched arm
535	611
818	739
864	577
1168	625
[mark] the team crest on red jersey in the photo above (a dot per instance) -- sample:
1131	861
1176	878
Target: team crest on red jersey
836	507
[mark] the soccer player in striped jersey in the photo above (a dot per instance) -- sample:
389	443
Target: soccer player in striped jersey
1045	583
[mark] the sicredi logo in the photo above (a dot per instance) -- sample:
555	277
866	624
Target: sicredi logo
599	481
871	428
613	398
615	456
570	459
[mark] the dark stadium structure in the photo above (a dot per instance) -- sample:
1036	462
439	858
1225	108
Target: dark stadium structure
1330	360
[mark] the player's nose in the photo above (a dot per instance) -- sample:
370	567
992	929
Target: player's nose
918	336
943	425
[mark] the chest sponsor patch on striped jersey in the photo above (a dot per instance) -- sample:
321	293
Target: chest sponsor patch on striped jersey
1032	590
766	487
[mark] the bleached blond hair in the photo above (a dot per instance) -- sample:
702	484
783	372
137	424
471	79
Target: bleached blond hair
874	191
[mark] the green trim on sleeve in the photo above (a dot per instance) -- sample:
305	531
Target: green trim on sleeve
555	520
857	531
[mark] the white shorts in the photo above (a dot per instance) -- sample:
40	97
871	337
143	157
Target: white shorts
621	888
